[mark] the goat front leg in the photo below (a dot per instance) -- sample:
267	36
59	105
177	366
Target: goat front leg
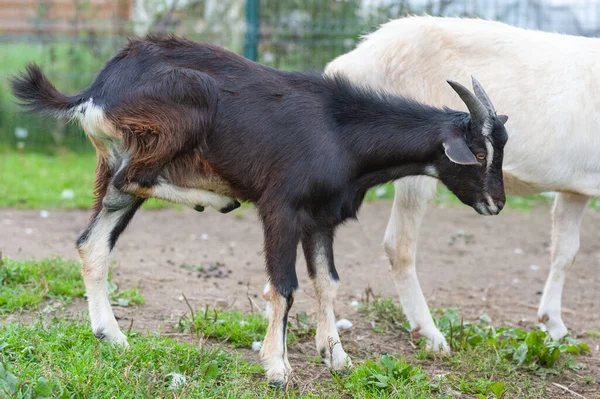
281	243
566	222
410	203
94	246
318	251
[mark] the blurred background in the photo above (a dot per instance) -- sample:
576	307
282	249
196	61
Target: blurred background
71	39
45	163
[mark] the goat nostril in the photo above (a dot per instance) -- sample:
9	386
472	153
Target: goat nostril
500	205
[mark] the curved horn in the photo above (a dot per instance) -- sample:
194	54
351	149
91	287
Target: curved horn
476	108
482	95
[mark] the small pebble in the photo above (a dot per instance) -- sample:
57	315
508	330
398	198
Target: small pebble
515	280
355	303
343	324
28	231
518	251
256	345
534	267
44	214
204	236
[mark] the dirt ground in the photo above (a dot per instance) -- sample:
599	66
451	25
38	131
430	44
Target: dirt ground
496	265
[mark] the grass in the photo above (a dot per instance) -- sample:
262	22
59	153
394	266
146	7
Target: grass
40	181
66	181
54	358
240	329
487	360
62	359
26	284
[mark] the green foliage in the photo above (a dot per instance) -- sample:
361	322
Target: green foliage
62	359
241	329
226	325
534	350
39	181
25	284
384	314
390	378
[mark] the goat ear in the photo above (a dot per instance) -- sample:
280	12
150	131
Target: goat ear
458	151
502	118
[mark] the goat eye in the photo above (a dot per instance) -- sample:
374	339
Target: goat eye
480	156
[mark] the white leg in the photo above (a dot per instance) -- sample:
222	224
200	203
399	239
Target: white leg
273	352
94	248
566	221
318	250
410	203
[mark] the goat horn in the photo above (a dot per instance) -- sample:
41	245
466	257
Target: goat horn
482	95
479	112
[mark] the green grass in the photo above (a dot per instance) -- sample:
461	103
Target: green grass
62	359
486	360
40	181
240	329
52	358
26	284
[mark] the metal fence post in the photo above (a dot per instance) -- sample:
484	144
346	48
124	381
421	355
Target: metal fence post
252	29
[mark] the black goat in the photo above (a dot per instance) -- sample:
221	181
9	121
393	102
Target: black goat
198	125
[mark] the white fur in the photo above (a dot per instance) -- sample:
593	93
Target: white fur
327	337
273	352
546	83
95	262
189	196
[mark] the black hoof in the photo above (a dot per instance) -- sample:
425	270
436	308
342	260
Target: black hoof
230	207
99	335
199	208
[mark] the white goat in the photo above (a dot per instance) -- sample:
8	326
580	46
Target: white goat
548	84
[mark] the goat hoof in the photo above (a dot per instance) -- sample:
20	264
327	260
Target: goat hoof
199	208
230	207
99	335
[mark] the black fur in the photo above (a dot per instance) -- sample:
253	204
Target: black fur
303	147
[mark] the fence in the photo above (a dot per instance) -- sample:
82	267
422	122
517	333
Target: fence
71	39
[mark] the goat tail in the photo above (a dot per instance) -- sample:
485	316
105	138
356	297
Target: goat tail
37	94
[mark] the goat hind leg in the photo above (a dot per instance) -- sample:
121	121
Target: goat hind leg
410	203
318	251
566	222
94	246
